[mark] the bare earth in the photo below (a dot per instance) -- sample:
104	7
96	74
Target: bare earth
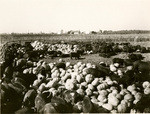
95	58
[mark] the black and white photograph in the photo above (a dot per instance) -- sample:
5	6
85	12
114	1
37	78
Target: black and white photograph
74	56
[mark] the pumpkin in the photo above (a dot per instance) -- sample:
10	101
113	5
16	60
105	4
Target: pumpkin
102	98
90	86
88	92
113	101
34	64
129	68
55	74
69	84
79	105
51	65
116	65
51	89
107	78
115	82
84	84
52	83
107	106
95	93
89	65
35	69
60	60
25	71
95	82
79	78
100	87
131	88
121	108
119	72
42	87
134	92
147	90
40	77
89	78
110	95
113	88
84	71
128	97
112	68
36	82
115	91
68	64
79	64
81	68
67	76
53	70
74	74
146	84
100	104
138	96
63	72
108	90
113	111
80	92
124	102
135	101
118	96
110	82
123	91
103	92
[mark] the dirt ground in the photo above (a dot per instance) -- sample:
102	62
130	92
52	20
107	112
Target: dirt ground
95	58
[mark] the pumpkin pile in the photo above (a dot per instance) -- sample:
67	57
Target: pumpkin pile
64	48
103	92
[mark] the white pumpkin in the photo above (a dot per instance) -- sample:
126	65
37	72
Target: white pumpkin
81	92
89	78
121	108
135	101
116	65
95	82
40	77
129	68
79	78
131	88
107	106
147	90
113	101
103	92
146	84
91	87
113	68
138	96
88	92
42	87
69	84
128	97
102	98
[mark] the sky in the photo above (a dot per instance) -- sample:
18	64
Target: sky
23	16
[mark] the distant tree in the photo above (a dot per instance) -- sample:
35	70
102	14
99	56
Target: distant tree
93	32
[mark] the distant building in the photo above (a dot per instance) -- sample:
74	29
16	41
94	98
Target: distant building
74	32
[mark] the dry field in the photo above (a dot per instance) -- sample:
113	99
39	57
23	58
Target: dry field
134	39
94	58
